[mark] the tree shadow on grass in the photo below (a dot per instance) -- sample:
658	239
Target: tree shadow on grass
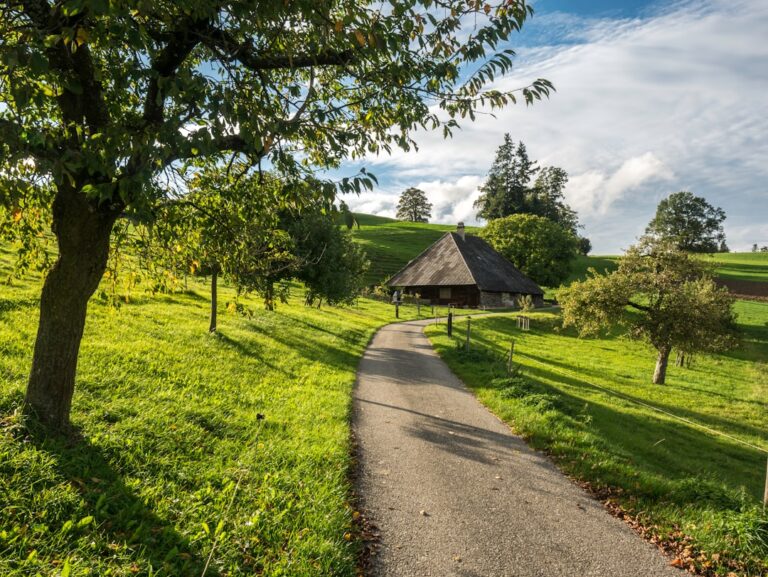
252	350
13	305
648	440
719	423
120	515
311	349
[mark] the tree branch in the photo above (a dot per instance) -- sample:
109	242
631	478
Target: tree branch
87	102
225	45
639	306
10	135
180	44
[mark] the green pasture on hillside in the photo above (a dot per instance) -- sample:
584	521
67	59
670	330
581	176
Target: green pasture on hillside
751	266
578	401
390	244
171	461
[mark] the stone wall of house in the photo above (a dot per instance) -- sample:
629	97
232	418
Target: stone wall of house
490	300
493	300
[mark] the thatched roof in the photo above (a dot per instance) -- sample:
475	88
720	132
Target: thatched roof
456	261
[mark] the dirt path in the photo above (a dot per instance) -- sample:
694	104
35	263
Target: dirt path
455	493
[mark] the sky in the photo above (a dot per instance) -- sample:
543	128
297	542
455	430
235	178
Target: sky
652	98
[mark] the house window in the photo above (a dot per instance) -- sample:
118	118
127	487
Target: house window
445	293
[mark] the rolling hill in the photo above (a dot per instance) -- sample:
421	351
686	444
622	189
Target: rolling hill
390	244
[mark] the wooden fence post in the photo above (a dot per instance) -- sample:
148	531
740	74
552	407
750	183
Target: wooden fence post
450	323
397	310
469	331
765	494
511	355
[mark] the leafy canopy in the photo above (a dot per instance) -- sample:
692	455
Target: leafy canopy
101	97
540	248
690	222
414	206
228	223
329	263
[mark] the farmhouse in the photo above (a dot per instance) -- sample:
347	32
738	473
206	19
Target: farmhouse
465	271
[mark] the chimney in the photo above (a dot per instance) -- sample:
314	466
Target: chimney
460	230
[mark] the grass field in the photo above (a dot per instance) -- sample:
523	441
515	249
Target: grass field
578	399
390	244
173	457
751	266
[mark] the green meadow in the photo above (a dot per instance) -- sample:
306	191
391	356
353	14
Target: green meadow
587	403
752	266
192	454
229	454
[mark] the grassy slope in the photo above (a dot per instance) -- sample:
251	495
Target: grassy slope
172	444
752	266
390	244
676	474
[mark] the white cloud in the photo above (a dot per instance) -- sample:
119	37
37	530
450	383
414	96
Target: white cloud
644	107
594	192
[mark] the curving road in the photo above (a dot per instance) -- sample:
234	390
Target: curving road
455	493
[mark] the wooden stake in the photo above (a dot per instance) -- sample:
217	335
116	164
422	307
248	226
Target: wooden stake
765	495
511	355
469	331
450	323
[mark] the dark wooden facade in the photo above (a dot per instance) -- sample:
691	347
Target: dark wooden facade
457	295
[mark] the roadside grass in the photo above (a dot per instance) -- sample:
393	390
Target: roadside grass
170	454
576	399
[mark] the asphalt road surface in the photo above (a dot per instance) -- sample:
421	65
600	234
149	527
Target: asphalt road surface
455	493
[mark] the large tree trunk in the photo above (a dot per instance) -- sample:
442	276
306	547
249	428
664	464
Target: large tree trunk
660	374
214	300
83	234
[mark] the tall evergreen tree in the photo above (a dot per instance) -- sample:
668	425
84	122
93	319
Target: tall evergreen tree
511	189
414	206
547	198
507	187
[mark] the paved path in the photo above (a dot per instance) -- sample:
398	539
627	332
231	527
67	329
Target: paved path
455	493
